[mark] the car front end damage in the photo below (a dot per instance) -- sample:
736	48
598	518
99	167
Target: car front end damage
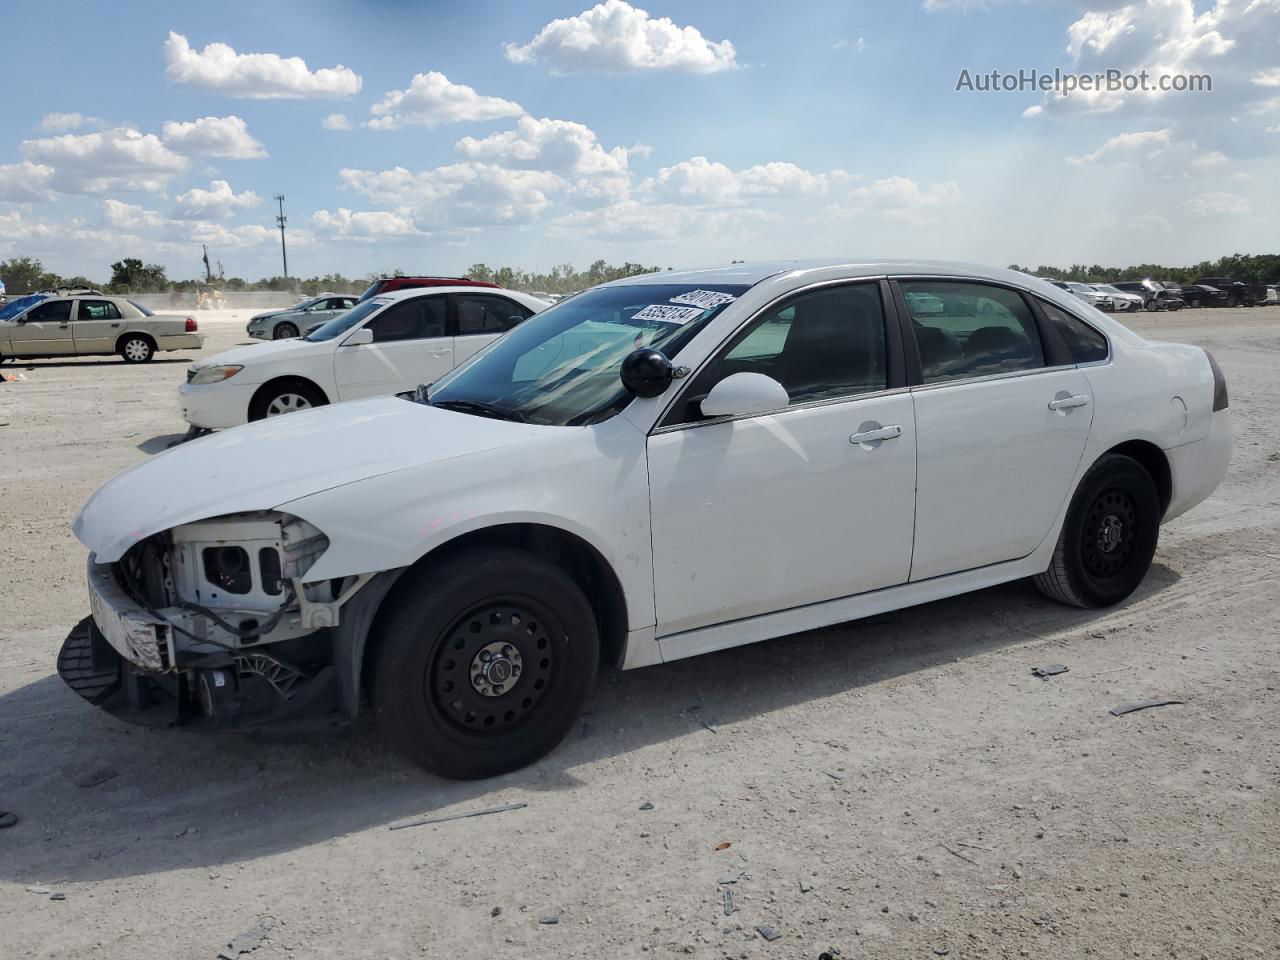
215	622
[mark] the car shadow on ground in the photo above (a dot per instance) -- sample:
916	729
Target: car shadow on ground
106	361
183	798
161	442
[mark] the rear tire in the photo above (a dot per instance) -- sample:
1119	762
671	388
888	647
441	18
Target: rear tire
137	349
1109	537
284	331
441	695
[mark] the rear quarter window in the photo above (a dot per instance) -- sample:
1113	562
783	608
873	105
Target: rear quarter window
1086	344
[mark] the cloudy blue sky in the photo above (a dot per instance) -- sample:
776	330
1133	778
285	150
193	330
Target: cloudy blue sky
429	136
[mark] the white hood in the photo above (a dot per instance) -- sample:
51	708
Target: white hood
269	351
261	465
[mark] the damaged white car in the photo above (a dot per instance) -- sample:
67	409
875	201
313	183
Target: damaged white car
659	467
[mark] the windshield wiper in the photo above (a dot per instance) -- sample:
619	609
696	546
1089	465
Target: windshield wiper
481	408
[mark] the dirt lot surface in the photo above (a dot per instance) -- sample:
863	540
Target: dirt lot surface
901	787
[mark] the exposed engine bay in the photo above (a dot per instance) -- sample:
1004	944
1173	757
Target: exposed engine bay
213	619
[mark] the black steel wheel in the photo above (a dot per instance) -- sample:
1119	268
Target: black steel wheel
1109	537
482	661
497	663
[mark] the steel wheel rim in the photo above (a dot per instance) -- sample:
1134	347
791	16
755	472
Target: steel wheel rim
460	683
287	403
136	350
1110	534
282	332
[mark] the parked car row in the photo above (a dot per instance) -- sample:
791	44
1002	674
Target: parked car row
1130	295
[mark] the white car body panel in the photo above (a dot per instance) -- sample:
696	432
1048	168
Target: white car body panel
388	481
340	370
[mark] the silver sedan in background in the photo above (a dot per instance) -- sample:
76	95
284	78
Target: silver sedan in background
290	322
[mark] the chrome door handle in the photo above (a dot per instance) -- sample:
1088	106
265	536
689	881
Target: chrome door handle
1068	403
872	436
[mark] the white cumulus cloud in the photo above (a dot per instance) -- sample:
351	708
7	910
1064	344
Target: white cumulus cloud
336	121
459	194
1217	205
214	137
64	122
25	181
217	203
562	146
363	224
614	36
1127	146
121	159
432	99
254	76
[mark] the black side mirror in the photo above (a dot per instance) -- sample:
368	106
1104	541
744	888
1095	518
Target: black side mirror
646	372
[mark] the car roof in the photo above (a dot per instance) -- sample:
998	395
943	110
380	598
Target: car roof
753	273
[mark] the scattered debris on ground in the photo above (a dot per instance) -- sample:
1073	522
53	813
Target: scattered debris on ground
1141	705
458	816
248	941
769	933
729	905
1044	673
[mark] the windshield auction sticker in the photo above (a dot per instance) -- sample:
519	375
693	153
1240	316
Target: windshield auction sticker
667	314
706	299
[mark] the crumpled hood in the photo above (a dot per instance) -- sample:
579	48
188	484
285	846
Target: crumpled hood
261	465
267	351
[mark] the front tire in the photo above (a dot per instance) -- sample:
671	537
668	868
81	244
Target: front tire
137	349
1109	537
285	396
284	331
483	662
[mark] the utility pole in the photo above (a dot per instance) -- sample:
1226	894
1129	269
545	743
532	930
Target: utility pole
282	220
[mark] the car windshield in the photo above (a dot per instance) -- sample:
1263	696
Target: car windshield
1106	288
345	321
15	307
374	289
141	309
561	367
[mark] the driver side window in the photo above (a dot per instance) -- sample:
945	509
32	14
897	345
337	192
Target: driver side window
821	345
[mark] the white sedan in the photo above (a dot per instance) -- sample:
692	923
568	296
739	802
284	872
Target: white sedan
388	344
658	467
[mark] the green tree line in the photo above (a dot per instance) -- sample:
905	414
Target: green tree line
131	275
1247	268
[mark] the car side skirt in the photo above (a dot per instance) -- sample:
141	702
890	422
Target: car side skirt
828	613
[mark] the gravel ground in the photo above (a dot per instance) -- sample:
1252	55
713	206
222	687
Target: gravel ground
899	787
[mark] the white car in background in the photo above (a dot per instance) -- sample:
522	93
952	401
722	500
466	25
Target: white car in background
388	344
1122	301
658	467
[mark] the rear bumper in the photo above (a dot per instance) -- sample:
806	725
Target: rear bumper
1197	468
181	341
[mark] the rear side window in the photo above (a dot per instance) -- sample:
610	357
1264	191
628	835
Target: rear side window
966	330
98	310
484	313
1086	344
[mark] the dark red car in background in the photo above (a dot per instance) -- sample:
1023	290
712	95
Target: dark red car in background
387	284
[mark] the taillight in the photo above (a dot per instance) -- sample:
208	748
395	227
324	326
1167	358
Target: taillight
191	325
1219	384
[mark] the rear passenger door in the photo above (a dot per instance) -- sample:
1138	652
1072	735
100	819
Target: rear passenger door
481	318
1002	417
96	325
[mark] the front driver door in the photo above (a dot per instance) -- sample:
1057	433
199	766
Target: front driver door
410	346
44	331
775	511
